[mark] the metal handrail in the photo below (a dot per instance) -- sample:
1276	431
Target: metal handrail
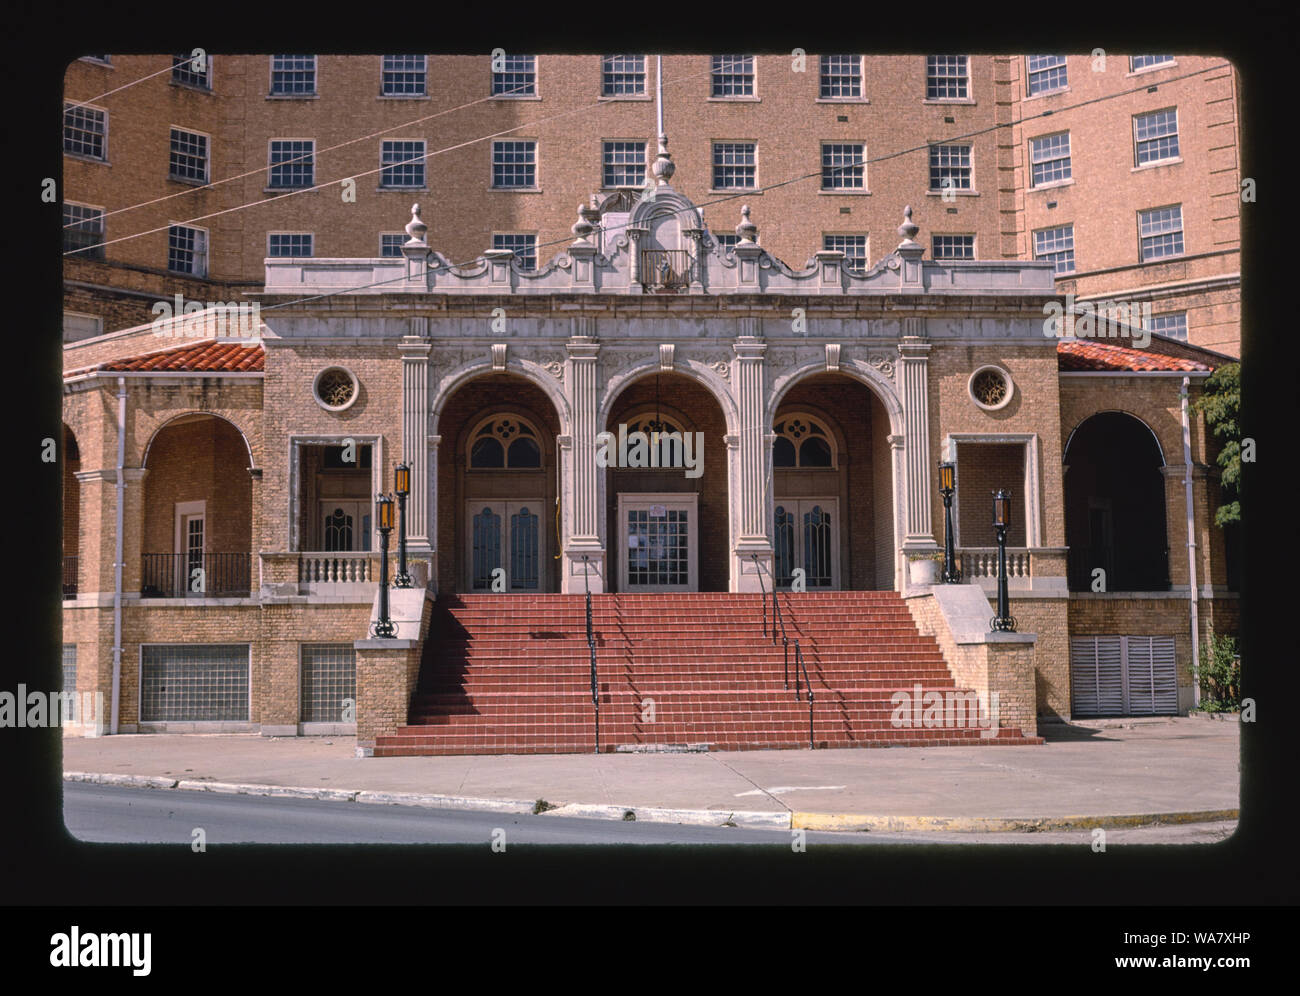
779	620
591	650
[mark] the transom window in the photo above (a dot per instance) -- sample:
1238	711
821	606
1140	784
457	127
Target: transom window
1046	73
947	77
85	131
841	77
952	246
844	166
514	164
189	156
183	71
1136	62
83	231
950	167
517	77
523	246
854	248
289	244
622	76
505	442
293	163
1049	159
403	75
187	250
1155	136
802	441
735	165
1056	245
1173	324
1160	232
623	164
403	164
733	76
293	75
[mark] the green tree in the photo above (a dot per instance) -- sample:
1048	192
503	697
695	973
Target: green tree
1220	404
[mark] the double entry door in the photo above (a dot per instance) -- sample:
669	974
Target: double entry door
806	536
506	545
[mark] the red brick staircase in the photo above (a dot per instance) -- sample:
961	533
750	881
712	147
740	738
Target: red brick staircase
509	674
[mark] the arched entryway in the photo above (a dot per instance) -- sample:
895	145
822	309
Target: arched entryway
1115	505
498	513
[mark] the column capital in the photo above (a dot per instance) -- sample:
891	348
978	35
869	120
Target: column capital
749	347
581	347
415	348
914	349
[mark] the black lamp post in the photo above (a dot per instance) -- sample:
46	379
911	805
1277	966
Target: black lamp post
946	488
384	505
1003	621
402	485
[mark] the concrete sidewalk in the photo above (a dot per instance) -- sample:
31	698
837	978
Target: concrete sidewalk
1102	773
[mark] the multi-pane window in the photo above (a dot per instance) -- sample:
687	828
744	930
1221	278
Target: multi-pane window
726	242
194	682
1049	159
289	244
952	246
733	76
1046	73
735	165
69	667
403	164
1156	135
390	244
622	76
293	75
293	162
1172	324
1160	232
947	77
1136	62
844	166
85	131
516	77
329	682
189	156
854	248
187	250
950	167
1056	245
523	246
841	77
83	231
403	76
514	164
191	71
623	164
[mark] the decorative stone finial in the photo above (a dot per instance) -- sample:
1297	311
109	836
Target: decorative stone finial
416	228
662	168
908	228
746	230
583	226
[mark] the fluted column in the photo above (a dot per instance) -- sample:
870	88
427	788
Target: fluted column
415	429
913	376
750	499
580	502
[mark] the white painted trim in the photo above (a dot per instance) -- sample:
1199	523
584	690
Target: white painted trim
187	509
1033	510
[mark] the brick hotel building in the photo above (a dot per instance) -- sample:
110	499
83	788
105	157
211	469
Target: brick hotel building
565	276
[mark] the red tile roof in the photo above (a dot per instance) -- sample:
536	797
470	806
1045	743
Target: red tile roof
200	357
1080	354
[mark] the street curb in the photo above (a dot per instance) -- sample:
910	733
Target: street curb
984	824
694	817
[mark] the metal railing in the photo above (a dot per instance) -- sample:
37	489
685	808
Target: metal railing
70	576
779	620
591	650
665	267
192	575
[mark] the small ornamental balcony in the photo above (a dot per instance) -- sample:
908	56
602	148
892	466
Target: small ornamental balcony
665	270
70	576
195	575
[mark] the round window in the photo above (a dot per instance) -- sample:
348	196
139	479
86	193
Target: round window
335	389
991	388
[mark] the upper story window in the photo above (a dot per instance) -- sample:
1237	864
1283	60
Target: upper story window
802	441
293	76
1160	232
403	75
950	167
947	77
523	246
282	244
188	156
1172	324
516	77
952	246
1049	159
732	76
390	244
293	163
844	166
514	164
85	132
1136	62
623	164
1155	136
735	165
1056	245
191	71
1046	73
505	442
83	231
841	77
854	248
726	241
403	164
622	76
187	250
